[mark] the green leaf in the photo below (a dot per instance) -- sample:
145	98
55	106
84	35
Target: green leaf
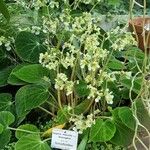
29	46
2	53
102	131
114	2
125	93
29	128
1	128
134	65
81	89
126	116
123	135
4	138
31	142
142	113
62	116
84	141
4	74
128	83
134	53
4	63
29	97
4	10
82	106
115	64
12	79
5	101
32	73
6	118
134	57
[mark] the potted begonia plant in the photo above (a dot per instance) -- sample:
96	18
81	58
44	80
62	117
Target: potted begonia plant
67	72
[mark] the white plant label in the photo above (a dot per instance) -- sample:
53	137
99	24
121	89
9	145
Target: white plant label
64	139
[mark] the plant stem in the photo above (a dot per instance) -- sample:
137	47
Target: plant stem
59	99
22	130
47	139
53	97
51	104
48	112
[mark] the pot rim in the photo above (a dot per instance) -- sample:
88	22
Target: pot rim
135	20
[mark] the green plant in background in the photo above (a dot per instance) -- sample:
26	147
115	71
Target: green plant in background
3	10
56	61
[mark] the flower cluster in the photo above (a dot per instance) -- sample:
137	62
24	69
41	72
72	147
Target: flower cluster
22	4
35	30
49	60
97	94
122	39
96	55
81	123
68	60
83	49
6	42
87	2
108	96
83	34
37	4
54	58
61	82
54	4
50	25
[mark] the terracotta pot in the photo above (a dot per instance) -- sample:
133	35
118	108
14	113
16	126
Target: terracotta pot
137	25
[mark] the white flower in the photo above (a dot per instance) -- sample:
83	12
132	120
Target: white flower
88	78
69	87
85	59
68	61
54	4
69	108
60	81
91	42
8	48
122	40
81	123
36	30
108	96
97	111
83	63
74	129
52	65
99	96
90	121
103	53
50	25
93	91
45	78
49	60
128	74
93	66
70	47
7	45
44	58
97	99
2	40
